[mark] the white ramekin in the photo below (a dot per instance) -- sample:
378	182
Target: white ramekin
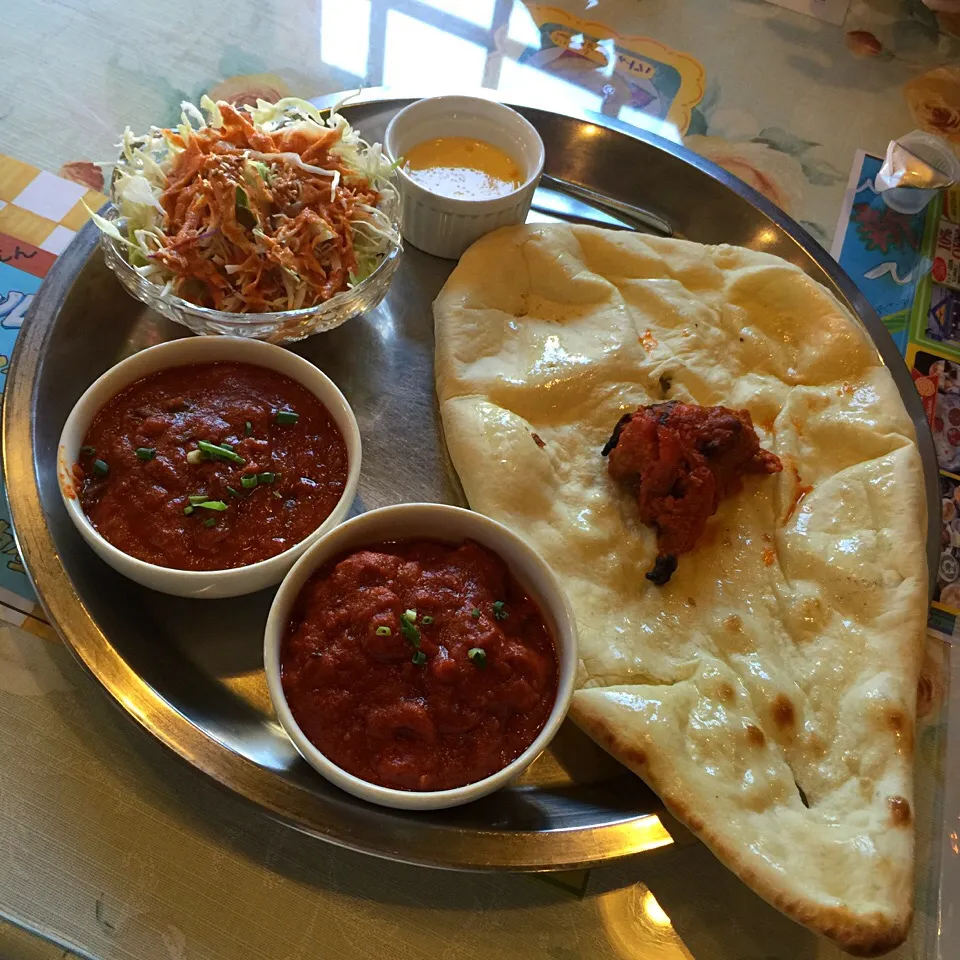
444	226
206	584
448	524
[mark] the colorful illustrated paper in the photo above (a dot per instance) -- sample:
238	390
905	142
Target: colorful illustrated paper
890	255
881	249
39	215
629	71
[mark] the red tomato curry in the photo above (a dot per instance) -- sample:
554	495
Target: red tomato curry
418	665
211	466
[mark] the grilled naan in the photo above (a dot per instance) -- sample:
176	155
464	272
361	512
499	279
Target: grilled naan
767	692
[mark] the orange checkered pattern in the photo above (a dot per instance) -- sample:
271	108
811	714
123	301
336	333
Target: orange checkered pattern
40	213
41	209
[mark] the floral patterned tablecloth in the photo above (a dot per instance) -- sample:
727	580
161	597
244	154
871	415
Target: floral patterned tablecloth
779	99
110	847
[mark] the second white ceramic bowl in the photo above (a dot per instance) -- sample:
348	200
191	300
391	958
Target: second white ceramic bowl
205	584
447	524
446	226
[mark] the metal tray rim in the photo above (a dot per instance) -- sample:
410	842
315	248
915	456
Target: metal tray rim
556	849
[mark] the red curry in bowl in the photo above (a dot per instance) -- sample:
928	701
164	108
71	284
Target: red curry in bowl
418	665
211	466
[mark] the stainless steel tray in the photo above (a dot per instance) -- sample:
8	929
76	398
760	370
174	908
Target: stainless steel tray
190	671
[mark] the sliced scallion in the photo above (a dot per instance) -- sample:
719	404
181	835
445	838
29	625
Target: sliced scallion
266	477
419	658
427	620
100	467
232	492
217	505
89	451
475	613
408	628
145	453
211	522
219	452
248	482
384	632
498	610
248	429
188	510
478	656
287	416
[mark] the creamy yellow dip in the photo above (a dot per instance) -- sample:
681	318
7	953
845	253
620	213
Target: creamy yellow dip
462	168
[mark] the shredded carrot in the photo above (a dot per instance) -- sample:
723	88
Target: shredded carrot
255	234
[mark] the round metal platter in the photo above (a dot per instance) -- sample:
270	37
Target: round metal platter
190	672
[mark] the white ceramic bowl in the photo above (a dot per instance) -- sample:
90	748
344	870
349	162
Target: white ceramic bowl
446	226
450	525
206	584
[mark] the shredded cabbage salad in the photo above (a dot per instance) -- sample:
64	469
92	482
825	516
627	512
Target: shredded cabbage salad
268	208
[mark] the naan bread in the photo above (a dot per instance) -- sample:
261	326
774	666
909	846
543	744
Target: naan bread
767	693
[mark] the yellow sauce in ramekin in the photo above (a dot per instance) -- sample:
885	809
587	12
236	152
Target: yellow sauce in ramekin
462	168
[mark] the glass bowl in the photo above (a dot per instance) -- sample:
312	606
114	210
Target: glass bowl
285	326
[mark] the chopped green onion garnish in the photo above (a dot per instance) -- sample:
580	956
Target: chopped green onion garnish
219	452
100	467
248	429
145	453
188	510
384	632
287	416
88	451
217	505
419	658
196	498
475	613
498	610
211	522
410	633
232	492
266	477
478	655
248	482
427	620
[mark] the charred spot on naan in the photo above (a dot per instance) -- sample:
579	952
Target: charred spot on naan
680	460
725	692
900	813
755	736
784	714
897	722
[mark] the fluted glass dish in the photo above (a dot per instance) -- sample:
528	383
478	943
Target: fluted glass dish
284	326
